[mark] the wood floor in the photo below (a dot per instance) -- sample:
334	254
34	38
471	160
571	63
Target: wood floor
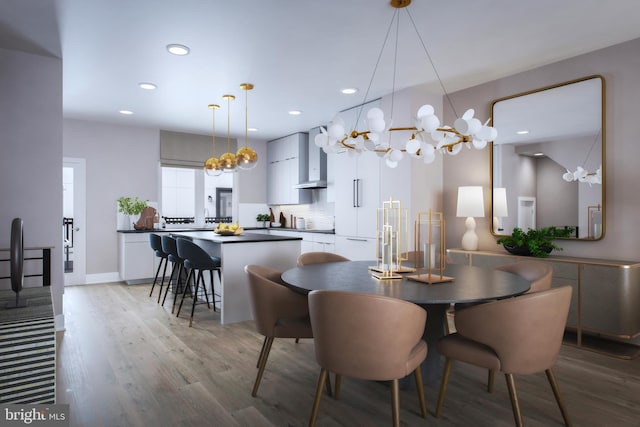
126	361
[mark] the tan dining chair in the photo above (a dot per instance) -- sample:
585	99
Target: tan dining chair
539	274
369	337
520	335
278	312
308	258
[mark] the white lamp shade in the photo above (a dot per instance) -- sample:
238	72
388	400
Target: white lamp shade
500	202
470	202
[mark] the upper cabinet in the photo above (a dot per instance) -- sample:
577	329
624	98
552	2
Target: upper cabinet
286	158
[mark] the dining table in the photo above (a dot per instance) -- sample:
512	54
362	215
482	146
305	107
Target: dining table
469	285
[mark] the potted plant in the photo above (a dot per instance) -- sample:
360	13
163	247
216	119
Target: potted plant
131	206
538	243
262	220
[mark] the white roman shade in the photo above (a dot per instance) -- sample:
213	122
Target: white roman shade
179	149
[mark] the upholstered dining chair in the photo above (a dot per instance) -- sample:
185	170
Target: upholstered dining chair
369	337
197	261
539	274
319	258
520	335
278	312
155	241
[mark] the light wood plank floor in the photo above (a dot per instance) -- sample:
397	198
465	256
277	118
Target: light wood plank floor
126	361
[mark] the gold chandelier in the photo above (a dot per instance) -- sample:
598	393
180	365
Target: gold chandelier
246	157
427	136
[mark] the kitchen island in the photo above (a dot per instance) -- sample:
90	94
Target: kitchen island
277	252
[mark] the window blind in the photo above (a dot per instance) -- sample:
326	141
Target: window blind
178	149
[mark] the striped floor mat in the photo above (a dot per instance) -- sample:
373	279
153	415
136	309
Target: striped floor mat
28	361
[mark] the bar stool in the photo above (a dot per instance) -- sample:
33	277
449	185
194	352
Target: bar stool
156	244
170	248
198	260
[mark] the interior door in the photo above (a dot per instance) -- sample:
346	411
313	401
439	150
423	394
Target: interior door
73	221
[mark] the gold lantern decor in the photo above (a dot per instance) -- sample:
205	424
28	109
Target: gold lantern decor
391	241
428	256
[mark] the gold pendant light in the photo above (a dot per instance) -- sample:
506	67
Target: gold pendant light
228	159
212	165
246	157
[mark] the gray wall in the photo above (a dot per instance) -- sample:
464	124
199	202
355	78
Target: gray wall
556	199
619	65
31	159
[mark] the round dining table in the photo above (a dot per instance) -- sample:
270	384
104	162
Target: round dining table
469	285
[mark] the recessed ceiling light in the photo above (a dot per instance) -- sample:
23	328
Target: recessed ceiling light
178	49
538	154
147	86
295	112
522	132
349	91
126	112
252	129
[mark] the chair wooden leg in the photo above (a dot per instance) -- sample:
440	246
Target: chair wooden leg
164	272
420	388
155	279
264	344
166	291
490	381
395	402
336	393
186	286
184	293
263	362
316	402
443	385
511	384
199	279
556	393
204	288
328	384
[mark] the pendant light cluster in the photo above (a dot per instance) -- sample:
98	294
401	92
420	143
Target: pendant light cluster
245	158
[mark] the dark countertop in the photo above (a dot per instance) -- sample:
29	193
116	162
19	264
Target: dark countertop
243	238
182	230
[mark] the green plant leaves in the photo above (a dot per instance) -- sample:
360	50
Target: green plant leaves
539	242
131	206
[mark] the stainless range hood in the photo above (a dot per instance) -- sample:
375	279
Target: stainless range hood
316	164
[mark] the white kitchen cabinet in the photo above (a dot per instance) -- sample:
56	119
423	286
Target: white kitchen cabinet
136	260
357	196
311	242
286	167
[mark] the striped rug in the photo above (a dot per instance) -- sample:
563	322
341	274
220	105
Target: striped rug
28	361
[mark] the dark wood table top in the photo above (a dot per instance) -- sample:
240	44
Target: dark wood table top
471	284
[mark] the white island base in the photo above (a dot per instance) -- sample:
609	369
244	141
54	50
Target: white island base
277	252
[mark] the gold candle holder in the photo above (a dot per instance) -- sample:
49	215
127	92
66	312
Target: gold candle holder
392	228
429	256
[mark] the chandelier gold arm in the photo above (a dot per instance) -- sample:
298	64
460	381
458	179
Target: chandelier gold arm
449	147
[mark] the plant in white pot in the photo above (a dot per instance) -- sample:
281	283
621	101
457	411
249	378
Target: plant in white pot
131	207
262	220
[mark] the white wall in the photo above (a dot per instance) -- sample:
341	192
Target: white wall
120	161
619	65
31	159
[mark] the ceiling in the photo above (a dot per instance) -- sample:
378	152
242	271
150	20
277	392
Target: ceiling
298	54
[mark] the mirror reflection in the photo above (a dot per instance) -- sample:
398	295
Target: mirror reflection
547	161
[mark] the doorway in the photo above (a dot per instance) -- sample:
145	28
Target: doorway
526	213
223	202
73	221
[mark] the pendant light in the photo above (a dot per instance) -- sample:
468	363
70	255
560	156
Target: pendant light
228	159
212	165
246	157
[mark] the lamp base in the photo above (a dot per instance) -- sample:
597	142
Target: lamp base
470	238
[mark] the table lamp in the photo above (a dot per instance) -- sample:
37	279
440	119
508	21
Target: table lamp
470	205
499	208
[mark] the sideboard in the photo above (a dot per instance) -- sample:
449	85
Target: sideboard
605	307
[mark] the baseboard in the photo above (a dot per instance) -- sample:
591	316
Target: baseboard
91	279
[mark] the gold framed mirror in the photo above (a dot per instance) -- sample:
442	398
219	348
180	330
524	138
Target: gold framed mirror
547	163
